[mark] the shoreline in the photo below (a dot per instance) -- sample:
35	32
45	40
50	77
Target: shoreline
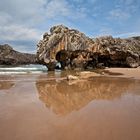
123	72
63	75
71	75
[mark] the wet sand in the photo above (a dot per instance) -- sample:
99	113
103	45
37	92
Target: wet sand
38	107
124	72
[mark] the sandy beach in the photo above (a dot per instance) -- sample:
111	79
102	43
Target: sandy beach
47	106
69	70
124	72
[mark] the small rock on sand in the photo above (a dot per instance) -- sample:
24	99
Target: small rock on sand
71	77
82	75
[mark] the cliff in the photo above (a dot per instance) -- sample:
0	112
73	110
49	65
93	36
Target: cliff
74	49
8	56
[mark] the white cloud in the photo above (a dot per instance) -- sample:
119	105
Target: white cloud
18	19
23	48
20	37
21	21
4	18
57	8
124	9
13	32
23	11
130	6
127	34
127	2
119	14
104	31
89	1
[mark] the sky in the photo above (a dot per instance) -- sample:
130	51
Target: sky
23	22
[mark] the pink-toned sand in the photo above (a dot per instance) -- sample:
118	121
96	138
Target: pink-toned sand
48	107
125	72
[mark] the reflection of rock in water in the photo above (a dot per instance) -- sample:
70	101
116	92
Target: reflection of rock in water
6	82
6	85
64	97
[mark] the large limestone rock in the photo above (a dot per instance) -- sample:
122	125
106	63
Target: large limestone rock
73	50
8	56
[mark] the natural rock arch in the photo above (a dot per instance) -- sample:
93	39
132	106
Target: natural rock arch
73	49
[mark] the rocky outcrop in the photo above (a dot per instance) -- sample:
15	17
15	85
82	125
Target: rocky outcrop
73	50
8	56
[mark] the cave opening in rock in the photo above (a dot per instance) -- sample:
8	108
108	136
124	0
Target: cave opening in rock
63	58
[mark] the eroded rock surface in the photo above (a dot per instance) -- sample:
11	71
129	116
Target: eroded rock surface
74	49
8	56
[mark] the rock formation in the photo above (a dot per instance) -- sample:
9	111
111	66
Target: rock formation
72	49
8	56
